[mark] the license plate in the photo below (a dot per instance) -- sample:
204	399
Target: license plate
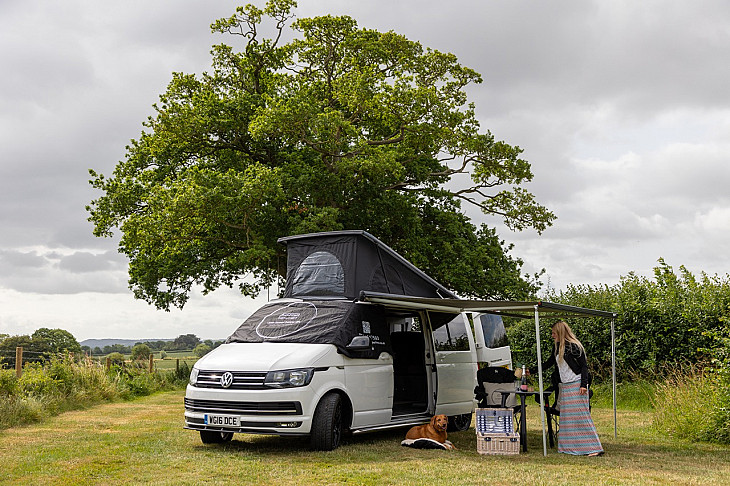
222	420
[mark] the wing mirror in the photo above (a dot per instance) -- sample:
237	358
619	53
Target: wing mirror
360	343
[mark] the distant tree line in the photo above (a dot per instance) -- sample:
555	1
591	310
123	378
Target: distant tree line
39	346
180	343
46	343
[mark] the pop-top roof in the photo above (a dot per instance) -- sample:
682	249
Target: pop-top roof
341	264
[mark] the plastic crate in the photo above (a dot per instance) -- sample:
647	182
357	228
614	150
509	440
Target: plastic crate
498	444
494	421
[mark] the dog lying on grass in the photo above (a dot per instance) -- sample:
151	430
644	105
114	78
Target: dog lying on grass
434	430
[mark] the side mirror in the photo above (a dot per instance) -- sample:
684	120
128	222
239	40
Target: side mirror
360	343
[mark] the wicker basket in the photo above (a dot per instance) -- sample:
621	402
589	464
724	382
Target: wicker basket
498	444
494	421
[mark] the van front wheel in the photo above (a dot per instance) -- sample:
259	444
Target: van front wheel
459	423
327	423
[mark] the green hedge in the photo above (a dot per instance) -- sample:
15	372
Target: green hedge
670	320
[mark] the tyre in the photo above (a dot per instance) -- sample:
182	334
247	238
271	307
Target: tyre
213	437
458	423
327	423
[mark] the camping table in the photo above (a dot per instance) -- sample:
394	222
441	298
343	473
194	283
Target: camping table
523	417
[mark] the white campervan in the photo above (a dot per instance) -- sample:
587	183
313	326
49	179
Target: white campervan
358	343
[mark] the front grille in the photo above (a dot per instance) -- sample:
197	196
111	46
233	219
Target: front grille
247	408
242	380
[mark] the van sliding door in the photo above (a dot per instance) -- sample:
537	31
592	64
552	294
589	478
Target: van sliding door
455	364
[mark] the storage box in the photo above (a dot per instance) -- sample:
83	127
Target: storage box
498	444
494	421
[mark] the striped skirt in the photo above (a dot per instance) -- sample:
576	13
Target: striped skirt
577	434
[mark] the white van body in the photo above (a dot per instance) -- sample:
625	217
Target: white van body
314	390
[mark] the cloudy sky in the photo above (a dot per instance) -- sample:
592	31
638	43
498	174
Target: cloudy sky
622	107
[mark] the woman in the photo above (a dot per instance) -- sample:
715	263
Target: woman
577	433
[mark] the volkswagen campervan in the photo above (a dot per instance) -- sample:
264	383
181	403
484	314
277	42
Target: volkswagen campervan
358	343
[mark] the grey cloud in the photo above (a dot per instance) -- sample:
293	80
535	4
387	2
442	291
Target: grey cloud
56	273
85	262
11	260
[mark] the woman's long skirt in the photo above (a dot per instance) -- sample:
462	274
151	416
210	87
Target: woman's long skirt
577	434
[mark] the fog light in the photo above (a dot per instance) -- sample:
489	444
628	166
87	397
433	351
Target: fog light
289	425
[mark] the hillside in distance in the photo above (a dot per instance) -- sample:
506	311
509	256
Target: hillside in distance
93	343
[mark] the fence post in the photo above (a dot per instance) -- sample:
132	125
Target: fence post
108	363
177	365
152	362
19	361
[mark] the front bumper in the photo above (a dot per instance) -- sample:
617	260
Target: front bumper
273	411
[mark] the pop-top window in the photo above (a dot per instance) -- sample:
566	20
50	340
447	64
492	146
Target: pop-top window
452	336
495	335
320	274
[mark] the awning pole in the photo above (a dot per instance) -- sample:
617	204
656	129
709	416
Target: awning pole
539	374
613	373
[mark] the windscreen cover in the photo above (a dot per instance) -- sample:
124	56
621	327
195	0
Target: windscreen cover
317	322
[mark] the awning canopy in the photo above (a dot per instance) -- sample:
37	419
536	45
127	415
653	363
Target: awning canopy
518	309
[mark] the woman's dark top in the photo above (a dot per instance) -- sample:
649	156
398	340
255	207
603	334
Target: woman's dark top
576	359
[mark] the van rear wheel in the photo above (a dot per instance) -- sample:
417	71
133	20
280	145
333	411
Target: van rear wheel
327	423
459	423
213	437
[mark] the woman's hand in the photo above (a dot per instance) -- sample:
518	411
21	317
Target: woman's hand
583	390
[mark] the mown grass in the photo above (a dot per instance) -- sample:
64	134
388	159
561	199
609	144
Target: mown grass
142	442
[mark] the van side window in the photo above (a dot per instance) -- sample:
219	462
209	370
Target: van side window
495	335
452	336
319	274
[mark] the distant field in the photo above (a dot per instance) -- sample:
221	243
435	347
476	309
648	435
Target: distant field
170	360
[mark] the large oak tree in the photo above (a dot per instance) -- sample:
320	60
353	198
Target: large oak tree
340	128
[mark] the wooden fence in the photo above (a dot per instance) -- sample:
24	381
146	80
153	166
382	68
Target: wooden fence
108	362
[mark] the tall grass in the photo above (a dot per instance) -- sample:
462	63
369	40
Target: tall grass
688	405
62	384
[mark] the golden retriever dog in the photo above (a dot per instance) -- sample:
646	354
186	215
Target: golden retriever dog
434	430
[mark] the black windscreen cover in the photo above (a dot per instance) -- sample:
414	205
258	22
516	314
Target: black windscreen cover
317	322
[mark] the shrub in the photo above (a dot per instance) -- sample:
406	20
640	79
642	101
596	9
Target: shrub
8	382
116	358
201	350
141	351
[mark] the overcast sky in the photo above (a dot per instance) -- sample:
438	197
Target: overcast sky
622	108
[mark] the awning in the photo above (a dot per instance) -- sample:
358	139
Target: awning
517	309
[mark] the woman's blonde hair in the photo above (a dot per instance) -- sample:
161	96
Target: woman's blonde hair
564	334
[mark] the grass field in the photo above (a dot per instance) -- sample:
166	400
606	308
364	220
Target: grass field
142	442
168	363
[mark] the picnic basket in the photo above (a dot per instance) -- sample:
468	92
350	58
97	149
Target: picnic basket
495	432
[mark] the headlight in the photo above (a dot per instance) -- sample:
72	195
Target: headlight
194	376
289	378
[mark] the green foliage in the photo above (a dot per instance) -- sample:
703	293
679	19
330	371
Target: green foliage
64	384
662	322
201	350
33	349
341	128
685	406
185	341
8	382
57	340
141	351
116	358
